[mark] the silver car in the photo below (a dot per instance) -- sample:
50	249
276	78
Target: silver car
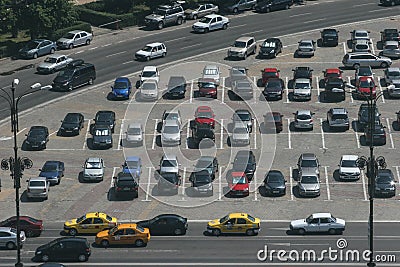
303	119
171	133
74	38
8	237
242	47
355	60
308	184
391	74
308	162
319	222
238	73
359	35
169	164
211	72
243	89
305	48
200	10
93	169
149	90
391	49
134	134
53	63
394	89
240	134
38	187
302	89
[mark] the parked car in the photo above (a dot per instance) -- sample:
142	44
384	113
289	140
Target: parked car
202	182
242	47
302	72
64	248
338	118
166	224
272	5
74	38
102	136
37	188
305	48
275	183
390	75
274	89
149	73
243	116
348	169
245	161
319	222
363	71
93	169
240	135
378	134
359	35
165	15
308	184
208	87
211	23
238	184
176	87
72	124
36	48
391	50
37	137
361	45
125	185
168	182
171	133
335	89
211	72
122	88
208	163
90	223
150	51
235	6
303	119
133	165
53	63
200	10
332	73
149	90
76	74
8	238
363	115
270	48
234	223
30	226
273	121
355	60
124	234
308	162
171	115
389	2
169	164
302	89
243	89
390	35
202	131
329	37
269	73
134	134
53	171
394	89
385	184
237	73
204	115
363	88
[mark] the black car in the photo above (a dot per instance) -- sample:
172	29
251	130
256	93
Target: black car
166	224
125	185
76	74
51	264
385	185
270	48
202	182
201	131
390	2
335	89
64	248
390	35
53	170
105	117
102	136
245	161
275	183
378	134
37	137
329	37
302	72
363	115
272	5
168	182
208	163
274	89
71	124
176	87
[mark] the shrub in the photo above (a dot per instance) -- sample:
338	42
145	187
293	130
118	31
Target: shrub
84	26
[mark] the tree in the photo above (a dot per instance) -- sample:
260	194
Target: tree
9	14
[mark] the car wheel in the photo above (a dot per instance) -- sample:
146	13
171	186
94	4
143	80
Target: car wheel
29	233
88	42
216	232
356	66
225	26
82	258
250	232
194	17
70	87
105	243
70	46
90	82
177	231
384	65
164	54
10	245
139	243
45	257
235	10
160	25
147	58
302	231
179	21
332	231
73	232
206	30
52	51
35	55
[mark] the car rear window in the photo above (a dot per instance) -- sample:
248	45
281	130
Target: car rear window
37	183
303	117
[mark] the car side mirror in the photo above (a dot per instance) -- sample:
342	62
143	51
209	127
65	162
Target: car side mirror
40	169
26	134
114	177
27	181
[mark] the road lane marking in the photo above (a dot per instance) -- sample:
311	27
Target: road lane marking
148	184
344	48
154	135
364	5
222	135
183	184
314	20
383	9
86	135
255	134
289	137
247	33
291	183
328	191
390	133
398	173
190	46
127	62
364	187
112	177
176	39
106	45
322	134
93	48
298	15
237	26
115	54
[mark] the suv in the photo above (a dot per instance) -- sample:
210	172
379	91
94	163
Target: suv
308	162
105	117
64	248
202	131
93	169
338	118
363	115
359	34
348	169
329	37
243	47
271	5
335	88
270	48
125	185
302	89
308	184
240	5
243	89
245	161
378	134
74	38
102	136
390	35
202	182
243	116
37	137
302	72
151	51
71	124
274	89
391	74
355	60
303	119
176	87
76	74
207	87
165	15
169	163
37	187
305	48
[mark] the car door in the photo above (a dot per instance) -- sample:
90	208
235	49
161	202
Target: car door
77	39
229	226
213	24
57	252
84	37
242	225
153	52
202	11
130	236
86	226
324	224
4	238
117	236
99	224
42	49
313	225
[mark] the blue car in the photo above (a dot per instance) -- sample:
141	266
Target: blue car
133	165
36	48
53	170
122	88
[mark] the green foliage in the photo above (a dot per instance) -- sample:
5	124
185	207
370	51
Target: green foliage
96	6
83	26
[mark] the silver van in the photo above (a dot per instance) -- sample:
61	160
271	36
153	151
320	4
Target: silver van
355	60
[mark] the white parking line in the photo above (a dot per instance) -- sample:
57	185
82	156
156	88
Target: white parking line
191	91
291	182
317	80
53	133
289	137
148	185
328	191
20	131
221	146
219	183
390	133
322	134
255	134
351	95
344	48
112	177
397	173
187	133
381	89
356	134
119	53
364	186
255	186
86	135
154	135
223	91
372	46
121	130
183	184
287	89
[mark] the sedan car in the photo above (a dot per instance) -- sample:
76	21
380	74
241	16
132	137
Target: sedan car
363	88
302	72
205	114
270	48
106	118
237	73
274	89
348	169
308	162
124	234
36	48
302	89
211	23
201	10
122	88
319	222
208	87
37	188
208	163
363	71
8	237
134	134
378	134
90	223
329	37
149	90
303	119
71	124
390	35
169	164
171	133
245	161
240	134
385	184
308	184
53	171
243	116
171	115
74	38
166	224
332	73
101	137
273	121
391	50
305	48
133	165
93	169
37	137
53	63
202	182
234	223
31	226
151	51
275	183
176	87
363	115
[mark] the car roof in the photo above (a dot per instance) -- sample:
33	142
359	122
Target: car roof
126	225
171	122
237	215
244	38
72	114
270	70
149	68
38	179
321	215
306	41
96	214
242	111
349	157
303	112
236	174
155	44
308	156
214	67
339	111
212	15
52	162
309	172
94	160
132	158
134	125
38	127
5	229
243	153
122	79
56	55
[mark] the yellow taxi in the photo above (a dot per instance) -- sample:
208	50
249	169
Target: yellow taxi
124	234
234	223
90	223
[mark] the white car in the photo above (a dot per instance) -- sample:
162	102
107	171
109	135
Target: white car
172	115
306	48
53	63
242	47
151	51
211	72
93	169
150	73
319	222
348	169
359	35
149	90
134	134
211	23
394	89
303	119
74	38
38	187
302	89
169	163
171	133
240	134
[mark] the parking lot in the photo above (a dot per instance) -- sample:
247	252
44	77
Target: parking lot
273	151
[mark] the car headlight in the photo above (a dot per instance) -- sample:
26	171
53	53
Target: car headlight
246	189
108	141
28	142
267	186
38	252
62	128
42	142
65	84
272	51
76	128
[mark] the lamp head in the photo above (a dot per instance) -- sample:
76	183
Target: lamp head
15	82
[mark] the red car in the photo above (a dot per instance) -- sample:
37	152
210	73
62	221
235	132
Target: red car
332	73
363	87
205	115
31	226
238	184
268	73
207	87
273	121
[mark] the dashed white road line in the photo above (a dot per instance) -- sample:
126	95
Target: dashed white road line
289	137
322	134
154	134
106	45
317	81
128	62
298	15
291	182
190	46
390	133
364	186
252	32
237	26
176	39
115	54
328	191
86	135
93	48
315	20
221	146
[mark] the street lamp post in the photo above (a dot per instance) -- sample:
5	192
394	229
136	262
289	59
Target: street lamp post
17	164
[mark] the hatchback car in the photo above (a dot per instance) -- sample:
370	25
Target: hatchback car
53	171
74	38
390	35
134	134
308	162
211	23
245	161
202	132
125	185
302	89
338	119
234	223
53	63
335	89
151	51
242	47
133	165
90	223
93	169
122	88
238	184
363	71
273	122
348	169
275	183
166	224
8	237
204	115
37	188
124	234
385	184
378	134
319	222
243	116
37	137
169	164
305	48
64	248
211	72
363	115
72	124
270	48
149	73
36	48
176	87
240	134
274	89
237	73
171	133
363	88
171	115
361	45
149	90
202	182
31	226
332	73
208	87
359	35
303	119
308	184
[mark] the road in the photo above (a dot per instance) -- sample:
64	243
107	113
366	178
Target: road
115	58
196	248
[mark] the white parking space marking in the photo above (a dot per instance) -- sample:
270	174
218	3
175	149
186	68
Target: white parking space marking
298	15
317	81
372	46
223	91
255	134
112	177
191	91
219	183
79	52
351	95
121	130
381	89
291	183
328	191
154	134
187	133
183	184
289	137
20	132
115	54
397	173
322	134
86	135
390	133
221	146
53	133
287	89
344	48
148	184
356	134
255	186
364	186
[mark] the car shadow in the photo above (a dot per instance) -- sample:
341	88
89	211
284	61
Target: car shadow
24	198
295	174
336	176
111	196
395	126
355	125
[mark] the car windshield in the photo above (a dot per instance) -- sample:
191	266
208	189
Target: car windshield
309	180
171	116
32	220
93	165
207	115
134	131
140	228
330	32
206	20
169	163
332	75
69	35
207	85
71	119
50	168
393	73
303	117
31	45
66	72
120	85
270	74
132	164
224	219
274	178
109	218
339	117
149	86
240	130
149	74
302	86
103	117
251	218
35	133
309	163
202	178
147	48
113	230
37	183
50	60
268	44
366	84
364	72
362	34
273	84
349	163
238	180
307	44
170	177
171	129
101	132
239	44
384	179
160	12
243	116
